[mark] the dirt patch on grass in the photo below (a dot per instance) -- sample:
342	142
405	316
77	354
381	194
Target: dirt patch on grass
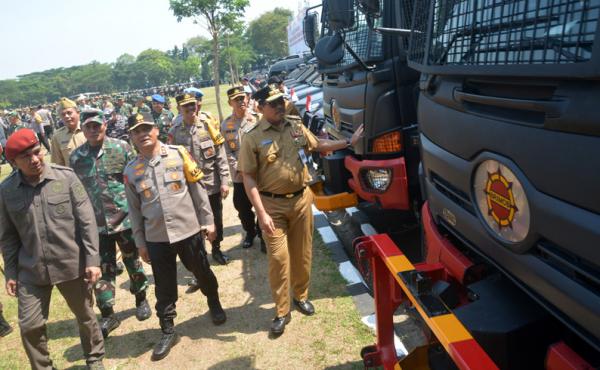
330	339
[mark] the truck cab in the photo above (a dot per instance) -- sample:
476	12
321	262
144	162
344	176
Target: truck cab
510	145
366	80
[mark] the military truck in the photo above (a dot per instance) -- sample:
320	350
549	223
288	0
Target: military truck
510	148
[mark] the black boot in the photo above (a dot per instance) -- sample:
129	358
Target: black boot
216	311
142	308
219	256
248	241
5	327
168	340
120	268
109	321
193	286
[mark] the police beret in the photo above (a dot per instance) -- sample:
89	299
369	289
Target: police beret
138	119
236	91
267	94
194	91
183	99
158	98
19	142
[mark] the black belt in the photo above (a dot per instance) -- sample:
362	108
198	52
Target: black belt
288	195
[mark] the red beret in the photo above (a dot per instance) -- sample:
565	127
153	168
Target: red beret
19	142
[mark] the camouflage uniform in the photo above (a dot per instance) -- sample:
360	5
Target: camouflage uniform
117	129
101	172
125	110
163	121
143	109
14	128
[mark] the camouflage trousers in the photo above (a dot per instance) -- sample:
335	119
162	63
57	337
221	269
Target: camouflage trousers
105	287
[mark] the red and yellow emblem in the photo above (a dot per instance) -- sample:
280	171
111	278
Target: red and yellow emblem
500	199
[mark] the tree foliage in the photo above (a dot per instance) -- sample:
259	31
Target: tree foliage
217	17
268	35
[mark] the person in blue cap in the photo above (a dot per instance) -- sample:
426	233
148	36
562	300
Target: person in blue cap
163	118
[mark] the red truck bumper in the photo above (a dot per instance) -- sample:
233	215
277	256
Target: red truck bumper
396	194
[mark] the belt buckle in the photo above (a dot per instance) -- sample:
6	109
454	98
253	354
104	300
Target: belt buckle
289	195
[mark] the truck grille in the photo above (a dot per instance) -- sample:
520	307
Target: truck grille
569	264
456	195
501	32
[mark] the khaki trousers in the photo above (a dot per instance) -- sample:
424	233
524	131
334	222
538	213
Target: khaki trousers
34	304
289	249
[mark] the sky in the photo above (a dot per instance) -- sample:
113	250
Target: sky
42	34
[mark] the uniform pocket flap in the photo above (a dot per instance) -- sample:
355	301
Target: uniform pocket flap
58	199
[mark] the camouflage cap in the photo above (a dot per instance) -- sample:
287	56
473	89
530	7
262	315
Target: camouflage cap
92	115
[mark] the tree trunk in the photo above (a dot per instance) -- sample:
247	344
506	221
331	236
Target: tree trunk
233	81
216	73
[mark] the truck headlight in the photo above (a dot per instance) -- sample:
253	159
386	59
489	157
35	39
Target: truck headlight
377	179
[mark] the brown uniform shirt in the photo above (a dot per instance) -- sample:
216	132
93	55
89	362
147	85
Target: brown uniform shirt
272	154
211	157
48	232
233	130
63	144
163	206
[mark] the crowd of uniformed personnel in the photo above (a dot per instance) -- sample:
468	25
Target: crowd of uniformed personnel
152	184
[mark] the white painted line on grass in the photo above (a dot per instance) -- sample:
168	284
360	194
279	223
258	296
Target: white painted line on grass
350	273
327	234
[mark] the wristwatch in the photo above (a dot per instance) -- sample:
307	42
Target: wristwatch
348	142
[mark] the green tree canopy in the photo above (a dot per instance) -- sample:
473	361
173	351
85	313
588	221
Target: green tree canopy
268	35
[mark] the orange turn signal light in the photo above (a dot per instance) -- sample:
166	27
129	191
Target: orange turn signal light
388	143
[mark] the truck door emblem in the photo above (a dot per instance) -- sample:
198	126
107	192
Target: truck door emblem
335	115
501	201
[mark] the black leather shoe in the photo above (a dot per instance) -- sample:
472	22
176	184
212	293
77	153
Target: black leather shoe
279	323
220	257
164	345
108	324
216	311
5	327
193	286
263	246
248	241
143	311
305	307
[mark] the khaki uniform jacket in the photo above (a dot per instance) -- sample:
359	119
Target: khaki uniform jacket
63	144
211	157
163	206
48	232
273	155
233	129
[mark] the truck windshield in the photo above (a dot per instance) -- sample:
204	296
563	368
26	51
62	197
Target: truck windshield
367	43
494	32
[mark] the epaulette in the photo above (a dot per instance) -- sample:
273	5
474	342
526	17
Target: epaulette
293	118
248	129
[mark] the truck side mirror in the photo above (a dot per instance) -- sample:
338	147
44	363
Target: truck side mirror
340	14
310	30
330	49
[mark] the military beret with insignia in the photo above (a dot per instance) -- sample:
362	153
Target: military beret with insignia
19	142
